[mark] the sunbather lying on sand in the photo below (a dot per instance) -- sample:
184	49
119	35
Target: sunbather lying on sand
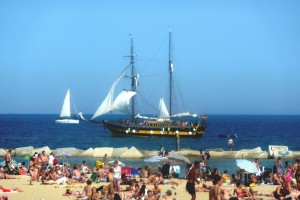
204	188
70	192
5	190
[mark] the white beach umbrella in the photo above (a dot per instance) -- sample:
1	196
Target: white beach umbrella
247	165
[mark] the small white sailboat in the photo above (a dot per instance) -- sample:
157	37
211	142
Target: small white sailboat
65	114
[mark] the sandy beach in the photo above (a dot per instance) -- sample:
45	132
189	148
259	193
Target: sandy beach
37	191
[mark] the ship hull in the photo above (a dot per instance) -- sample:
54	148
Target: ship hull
155	129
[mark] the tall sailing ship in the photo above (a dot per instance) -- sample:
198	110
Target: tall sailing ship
165	124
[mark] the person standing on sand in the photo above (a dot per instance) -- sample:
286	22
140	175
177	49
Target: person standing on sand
117	176
192	178
34	173
51	159
8	160
45	161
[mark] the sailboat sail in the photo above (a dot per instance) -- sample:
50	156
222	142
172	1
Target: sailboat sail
163	111
65	111
122	101
65	114
107	104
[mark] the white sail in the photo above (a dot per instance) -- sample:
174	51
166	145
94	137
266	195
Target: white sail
65	111
107	104
122	101
163	111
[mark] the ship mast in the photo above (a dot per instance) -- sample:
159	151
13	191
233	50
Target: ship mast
170	72
134	77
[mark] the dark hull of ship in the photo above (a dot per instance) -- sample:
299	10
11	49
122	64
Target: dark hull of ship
157	130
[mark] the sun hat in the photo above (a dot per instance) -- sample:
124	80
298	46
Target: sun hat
169	192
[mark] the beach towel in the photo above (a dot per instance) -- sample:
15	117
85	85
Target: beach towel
61	180
5	191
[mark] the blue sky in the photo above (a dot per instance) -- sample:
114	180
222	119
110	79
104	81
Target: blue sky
230	57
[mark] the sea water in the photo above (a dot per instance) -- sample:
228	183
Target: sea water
251	130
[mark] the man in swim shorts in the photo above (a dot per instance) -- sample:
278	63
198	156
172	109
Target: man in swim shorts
192	178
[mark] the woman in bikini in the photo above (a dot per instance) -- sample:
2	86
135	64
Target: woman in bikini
202	169
242	192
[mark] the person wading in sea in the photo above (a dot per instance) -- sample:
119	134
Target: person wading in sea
192	178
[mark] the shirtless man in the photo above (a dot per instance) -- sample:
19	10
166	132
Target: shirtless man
192	178
150	195
230	143
7	159
45	161
156	191
34	173
76	173
101	173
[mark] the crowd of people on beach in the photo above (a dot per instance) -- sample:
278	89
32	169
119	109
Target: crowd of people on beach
145	185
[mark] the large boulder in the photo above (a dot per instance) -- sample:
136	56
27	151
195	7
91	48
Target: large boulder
24	151
188	153
100	152
230	154
149	153
132	153
296	154
217	153
3	152
250	153
264	155
117	152
87	153
40	150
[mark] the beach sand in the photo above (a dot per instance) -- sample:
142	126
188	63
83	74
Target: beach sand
49	192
